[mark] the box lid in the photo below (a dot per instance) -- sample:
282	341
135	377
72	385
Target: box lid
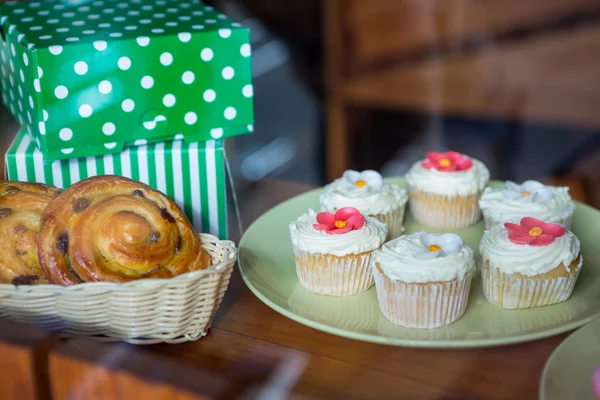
91	77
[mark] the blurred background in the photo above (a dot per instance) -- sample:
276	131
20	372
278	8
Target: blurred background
354	84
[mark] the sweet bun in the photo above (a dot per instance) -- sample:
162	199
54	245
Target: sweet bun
114	229
21	207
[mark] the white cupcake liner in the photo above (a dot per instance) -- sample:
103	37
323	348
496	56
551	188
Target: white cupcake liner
422	305
511	291
444	212
394	221
333	275
565	222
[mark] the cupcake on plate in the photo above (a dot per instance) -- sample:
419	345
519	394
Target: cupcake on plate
444	190
530	264
367	192
333	251
423	279
530	199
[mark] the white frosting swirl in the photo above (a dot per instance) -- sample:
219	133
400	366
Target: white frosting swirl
457	183
398	262
525	259
306	238
367	200
497	208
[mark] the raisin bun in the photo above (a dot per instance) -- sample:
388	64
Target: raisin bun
114	229
21	207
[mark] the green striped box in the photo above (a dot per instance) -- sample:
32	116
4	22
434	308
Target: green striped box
190	173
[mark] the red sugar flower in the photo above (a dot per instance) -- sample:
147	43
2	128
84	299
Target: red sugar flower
450	161
344	220
534	232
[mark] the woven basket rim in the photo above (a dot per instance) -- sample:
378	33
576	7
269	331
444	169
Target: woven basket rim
208	242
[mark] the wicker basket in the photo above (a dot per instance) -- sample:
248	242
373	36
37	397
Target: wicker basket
146	311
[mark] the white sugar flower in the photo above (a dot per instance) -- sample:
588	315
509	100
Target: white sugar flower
528	191
431	245
367	179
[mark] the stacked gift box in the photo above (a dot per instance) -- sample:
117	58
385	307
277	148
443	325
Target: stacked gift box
146	89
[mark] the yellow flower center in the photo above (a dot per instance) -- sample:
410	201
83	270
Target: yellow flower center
444	162
360	183
537	231
434	247
340	224
526	193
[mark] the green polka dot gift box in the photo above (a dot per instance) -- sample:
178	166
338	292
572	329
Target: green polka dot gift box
86	78
192	174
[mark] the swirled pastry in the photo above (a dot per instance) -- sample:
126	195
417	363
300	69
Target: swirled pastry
21	207
114	229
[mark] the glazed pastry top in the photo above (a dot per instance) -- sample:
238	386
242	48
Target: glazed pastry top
114	229
21	207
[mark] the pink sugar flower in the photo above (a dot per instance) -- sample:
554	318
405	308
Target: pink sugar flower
450	161
343	221
533	232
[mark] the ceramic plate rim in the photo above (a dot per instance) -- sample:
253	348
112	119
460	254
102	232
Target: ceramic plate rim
556	353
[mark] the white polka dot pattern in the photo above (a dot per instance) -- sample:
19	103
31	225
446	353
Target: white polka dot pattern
248	91
85	110
188	77
166	59
216	133
61	92
124	63
105	87
147	82
206	54
228	73
245	50
81	68
101	65
191	118
209	95
100	45
108	128
128	105
230	113
65	134
169	100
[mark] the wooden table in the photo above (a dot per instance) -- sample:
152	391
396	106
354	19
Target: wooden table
320	365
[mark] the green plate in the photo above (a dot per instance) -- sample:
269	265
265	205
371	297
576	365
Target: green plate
568	372
267	266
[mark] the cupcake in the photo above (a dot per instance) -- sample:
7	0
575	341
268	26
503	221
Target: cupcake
333	251
367	192
530	199
530	264
444	189
423	279
596	383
